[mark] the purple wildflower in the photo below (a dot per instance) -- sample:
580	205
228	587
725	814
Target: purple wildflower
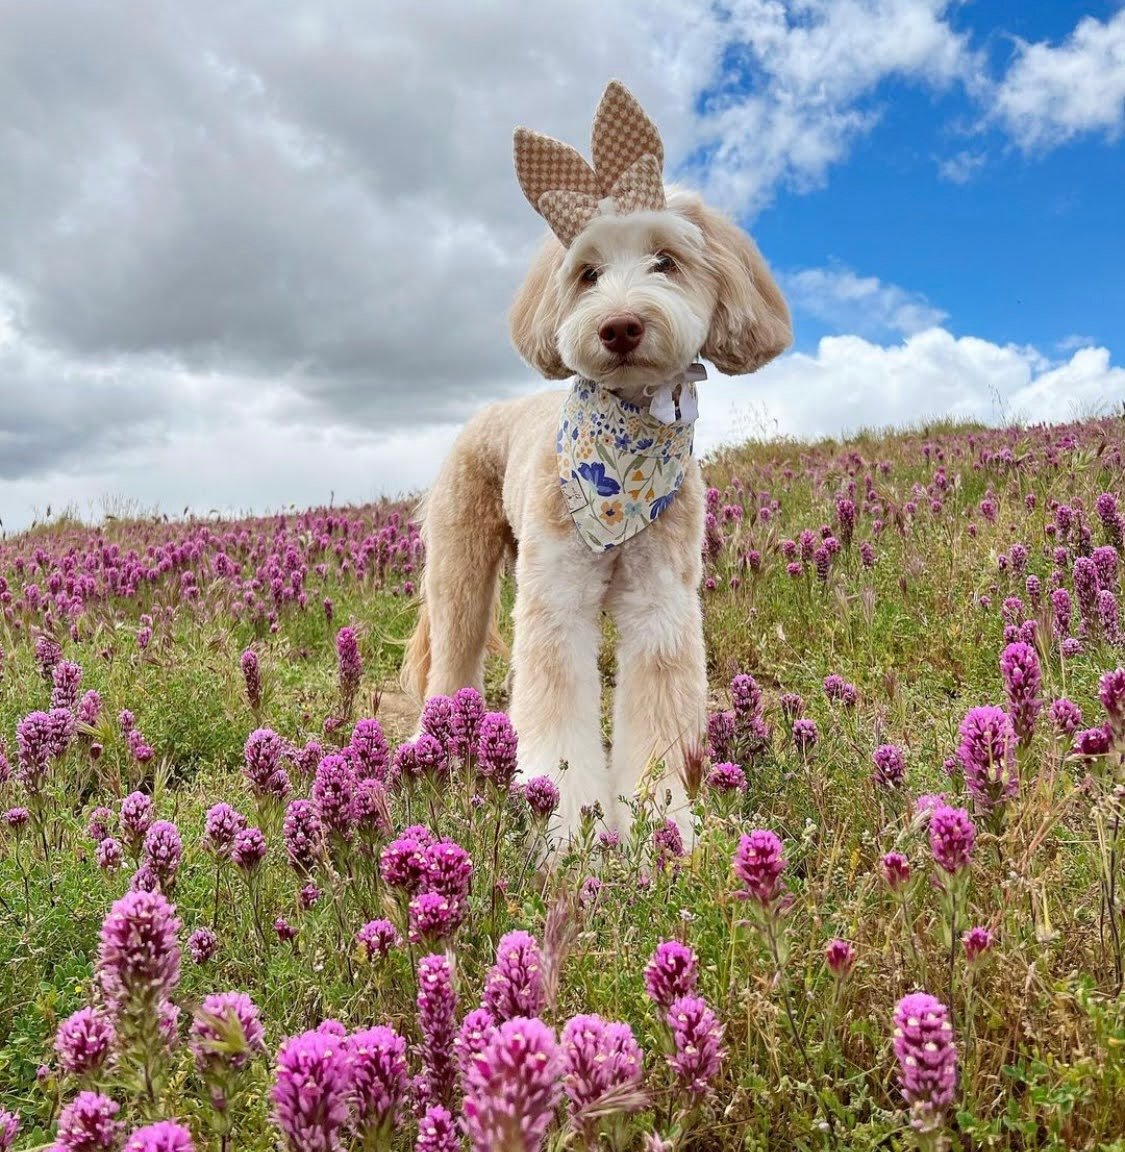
672	972
466	722
371	814
163	852
403	863
805	735
17	819
99	826
249	850
601	1059
927	1057
726	778
988	755
379	1080
252	677
437	1132
139	955
476	1030
698	1037
448	869
1019	668
226	1033
1066	716
166	1136
437	720
745	696
66	677
840	958
262	753
9	1129
512	1088
758	863
88	1124
376	938
303	834
202	945
136	818
84	1041
332	792
437	1021
109	854
976	942
370	753
541	795
720	735
1111	692
514	985
433	917
896	871
667	844
497	749
220	827
952	835
311	1091
350	666
890	766
1092	742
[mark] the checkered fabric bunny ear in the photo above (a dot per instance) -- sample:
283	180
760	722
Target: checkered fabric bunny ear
622	135
560	185
627	175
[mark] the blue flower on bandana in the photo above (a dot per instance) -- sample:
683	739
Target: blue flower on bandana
660	504
643	443
595	474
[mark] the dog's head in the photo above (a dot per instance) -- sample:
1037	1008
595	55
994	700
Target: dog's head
636	283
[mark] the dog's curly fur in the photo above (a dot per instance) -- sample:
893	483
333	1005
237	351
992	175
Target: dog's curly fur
700	287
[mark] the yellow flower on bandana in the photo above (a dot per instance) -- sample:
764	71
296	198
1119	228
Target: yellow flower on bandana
611	511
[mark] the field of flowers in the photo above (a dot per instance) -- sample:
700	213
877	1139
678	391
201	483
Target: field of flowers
237	911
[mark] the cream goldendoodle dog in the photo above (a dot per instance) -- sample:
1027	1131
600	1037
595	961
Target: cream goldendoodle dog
595	490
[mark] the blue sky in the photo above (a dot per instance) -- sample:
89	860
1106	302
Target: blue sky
1029	248
269	262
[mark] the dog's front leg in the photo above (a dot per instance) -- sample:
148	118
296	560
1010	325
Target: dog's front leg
660	706
556	688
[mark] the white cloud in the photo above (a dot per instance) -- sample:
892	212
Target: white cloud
813	69
961	167
861	304
1052	94
851	383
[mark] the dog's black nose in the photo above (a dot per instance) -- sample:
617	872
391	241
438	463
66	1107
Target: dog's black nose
622	333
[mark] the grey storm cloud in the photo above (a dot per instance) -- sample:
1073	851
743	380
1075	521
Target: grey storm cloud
322	194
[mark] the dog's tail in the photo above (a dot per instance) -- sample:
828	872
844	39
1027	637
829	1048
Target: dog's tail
467	539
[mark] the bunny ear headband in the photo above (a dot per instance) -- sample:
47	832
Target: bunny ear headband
627	175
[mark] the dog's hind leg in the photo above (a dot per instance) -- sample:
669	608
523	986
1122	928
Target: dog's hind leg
466	537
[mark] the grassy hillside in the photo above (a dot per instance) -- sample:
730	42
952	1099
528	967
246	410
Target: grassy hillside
878	592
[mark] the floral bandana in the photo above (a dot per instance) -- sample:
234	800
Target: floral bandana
627	174
621	466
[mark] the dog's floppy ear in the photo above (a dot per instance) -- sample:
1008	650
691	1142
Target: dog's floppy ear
535	314
751	324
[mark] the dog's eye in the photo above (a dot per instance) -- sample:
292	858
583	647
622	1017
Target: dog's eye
589	274
662	262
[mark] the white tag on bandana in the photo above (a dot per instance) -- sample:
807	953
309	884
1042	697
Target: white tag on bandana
621	466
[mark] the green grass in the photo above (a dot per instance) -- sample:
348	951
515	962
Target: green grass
1042	1037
